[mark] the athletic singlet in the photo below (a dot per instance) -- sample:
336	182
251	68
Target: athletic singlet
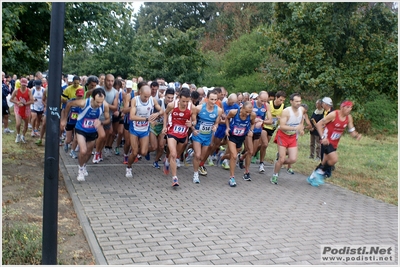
238	126
23	111
110	95
334	129
274	112
87	116
160	119
226	108
294	120
177	121
38	105
260	113
206	119
143	110
73	114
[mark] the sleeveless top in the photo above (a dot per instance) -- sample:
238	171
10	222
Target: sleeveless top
160	119
38	105
260	113
87	116
206	119
238	126
335	129
294	120
226	108
143	110
126	117
73	114
177	120
23	111
274	112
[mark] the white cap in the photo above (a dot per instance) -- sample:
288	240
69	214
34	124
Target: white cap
70	78
129	84
327	100
253	95
185	85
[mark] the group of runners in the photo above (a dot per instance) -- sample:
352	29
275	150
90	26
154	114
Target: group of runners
191	124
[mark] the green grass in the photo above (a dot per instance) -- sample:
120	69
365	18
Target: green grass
368	166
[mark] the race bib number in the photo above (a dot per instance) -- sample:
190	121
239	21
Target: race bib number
88	123
74	116
238	131
274	122
141	123
179	129
205	128
335	136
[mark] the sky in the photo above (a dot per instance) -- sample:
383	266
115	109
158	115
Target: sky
136	6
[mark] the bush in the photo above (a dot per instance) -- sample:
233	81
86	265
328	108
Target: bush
22	244
381	112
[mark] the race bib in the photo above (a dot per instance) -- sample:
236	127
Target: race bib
179	129
88	123
74	116
335	136
205	128
238	131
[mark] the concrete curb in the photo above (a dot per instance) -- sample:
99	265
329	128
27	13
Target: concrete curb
87	229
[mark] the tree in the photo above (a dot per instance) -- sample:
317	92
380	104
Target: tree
26	31
330	48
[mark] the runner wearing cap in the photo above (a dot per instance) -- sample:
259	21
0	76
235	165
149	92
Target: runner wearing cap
335	124
22	98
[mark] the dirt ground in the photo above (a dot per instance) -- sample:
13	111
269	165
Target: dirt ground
22	198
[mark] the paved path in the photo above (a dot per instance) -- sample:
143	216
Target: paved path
143	220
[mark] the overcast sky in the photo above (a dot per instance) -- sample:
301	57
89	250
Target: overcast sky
136	6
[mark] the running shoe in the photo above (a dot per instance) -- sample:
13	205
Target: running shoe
175	181
196	179
320	178
73	154
155	165
274	179
38	142
81	176
241	162
232	182
290	171
117	151
210	162
147	157
100	156
37	133
178	163
33	134
219	156
29	126
166	166
126	159
225	164
202	170
312	181
254	160
18	139
261	168
7	130
247	177
96	158
128	173
23	139
85	172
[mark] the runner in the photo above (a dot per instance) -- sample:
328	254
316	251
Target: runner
335	124
178	114
87	124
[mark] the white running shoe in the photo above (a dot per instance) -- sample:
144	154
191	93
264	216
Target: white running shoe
18	139
23	139
261	169
128	173
178	163
81	176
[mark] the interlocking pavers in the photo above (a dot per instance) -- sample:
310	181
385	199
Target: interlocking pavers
143	220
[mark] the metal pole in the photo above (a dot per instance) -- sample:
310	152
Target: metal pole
50	192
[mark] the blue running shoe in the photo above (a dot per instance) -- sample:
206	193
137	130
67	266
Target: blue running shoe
232	182
155	165
312	181
147	157
319	178
175	181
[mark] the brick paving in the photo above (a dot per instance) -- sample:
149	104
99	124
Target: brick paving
144	220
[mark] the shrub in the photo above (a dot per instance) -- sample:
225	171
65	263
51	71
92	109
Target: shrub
22	244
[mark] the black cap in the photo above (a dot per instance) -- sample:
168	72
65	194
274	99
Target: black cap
37	82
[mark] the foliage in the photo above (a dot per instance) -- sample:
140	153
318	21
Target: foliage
26	31
21	244
336	49
160	16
